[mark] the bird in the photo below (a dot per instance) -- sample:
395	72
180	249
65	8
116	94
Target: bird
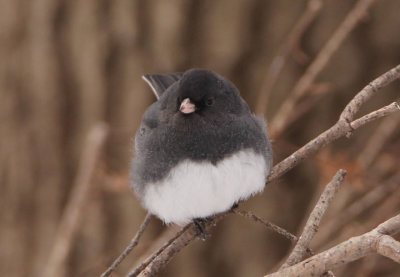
199	150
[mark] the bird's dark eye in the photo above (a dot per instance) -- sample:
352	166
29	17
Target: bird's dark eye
210	101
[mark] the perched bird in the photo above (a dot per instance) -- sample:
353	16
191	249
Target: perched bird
199	149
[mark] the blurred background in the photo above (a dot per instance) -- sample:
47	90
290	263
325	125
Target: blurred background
67	64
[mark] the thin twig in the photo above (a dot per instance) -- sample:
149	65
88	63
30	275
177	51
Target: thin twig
155	245
130	247
391	108
278	124
143	265
277	64
348	251
270	226
267	224
364	203
314	219
70	219
368	91
161	258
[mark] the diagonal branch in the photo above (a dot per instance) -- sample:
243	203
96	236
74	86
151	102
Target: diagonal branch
267	224
182	233
389	247
162	256
334	225
375	241
391	108
368	91
130	247
314	220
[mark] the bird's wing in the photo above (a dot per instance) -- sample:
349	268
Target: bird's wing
160	82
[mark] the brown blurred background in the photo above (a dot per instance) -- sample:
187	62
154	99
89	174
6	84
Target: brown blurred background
67	64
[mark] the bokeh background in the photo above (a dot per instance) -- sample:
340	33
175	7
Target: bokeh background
67	64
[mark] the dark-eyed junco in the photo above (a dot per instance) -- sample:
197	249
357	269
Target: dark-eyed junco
199	150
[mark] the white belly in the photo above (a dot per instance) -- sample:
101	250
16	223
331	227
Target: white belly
201	189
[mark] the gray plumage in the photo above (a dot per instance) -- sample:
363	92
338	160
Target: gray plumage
221	125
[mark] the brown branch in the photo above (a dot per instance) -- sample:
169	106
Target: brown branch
348	251
149	260
368	91
341	128
163	255
155	244
314	219
277	64
267	224
391	108
70	219
389	247
367	201
279	122
130	247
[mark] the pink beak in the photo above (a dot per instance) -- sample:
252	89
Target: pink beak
187	106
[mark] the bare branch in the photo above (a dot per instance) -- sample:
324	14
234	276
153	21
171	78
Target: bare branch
130	247
277	64
348	251
389	247
161	258
367	92
391	108
353	17
72	214
367	201
267	224
142	266
314	220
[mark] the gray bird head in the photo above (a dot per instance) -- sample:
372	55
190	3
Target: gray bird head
204	92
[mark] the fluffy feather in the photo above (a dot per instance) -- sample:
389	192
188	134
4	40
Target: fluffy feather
196	189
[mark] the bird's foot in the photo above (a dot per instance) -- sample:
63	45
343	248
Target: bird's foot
200	224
